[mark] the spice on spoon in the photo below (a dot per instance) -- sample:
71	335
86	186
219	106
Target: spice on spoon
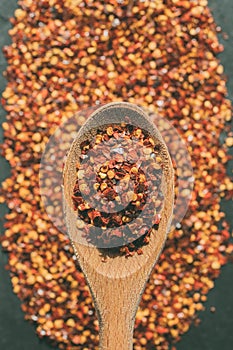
115	173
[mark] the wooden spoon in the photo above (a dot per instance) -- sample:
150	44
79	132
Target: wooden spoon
117	285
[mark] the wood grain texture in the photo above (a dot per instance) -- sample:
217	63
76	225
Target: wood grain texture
117	284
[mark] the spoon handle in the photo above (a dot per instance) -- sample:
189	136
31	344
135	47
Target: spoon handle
116	330
116	302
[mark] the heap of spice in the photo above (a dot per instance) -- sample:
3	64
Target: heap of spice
67	55
118	194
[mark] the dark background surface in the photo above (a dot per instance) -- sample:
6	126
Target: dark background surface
216	329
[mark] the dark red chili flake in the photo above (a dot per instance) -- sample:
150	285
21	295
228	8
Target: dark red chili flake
118	186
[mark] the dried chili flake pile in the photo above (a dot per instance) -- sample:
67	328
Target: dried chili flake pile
118	194
67	55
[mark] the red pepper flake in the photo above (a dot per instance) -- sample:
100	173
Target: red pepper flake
113	185
66	57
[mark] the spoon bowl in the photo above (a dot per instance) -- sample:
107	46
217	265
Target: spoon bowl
117	284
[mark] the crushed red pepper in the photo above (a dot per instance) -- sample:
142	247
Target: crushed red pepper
67	55
115	173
